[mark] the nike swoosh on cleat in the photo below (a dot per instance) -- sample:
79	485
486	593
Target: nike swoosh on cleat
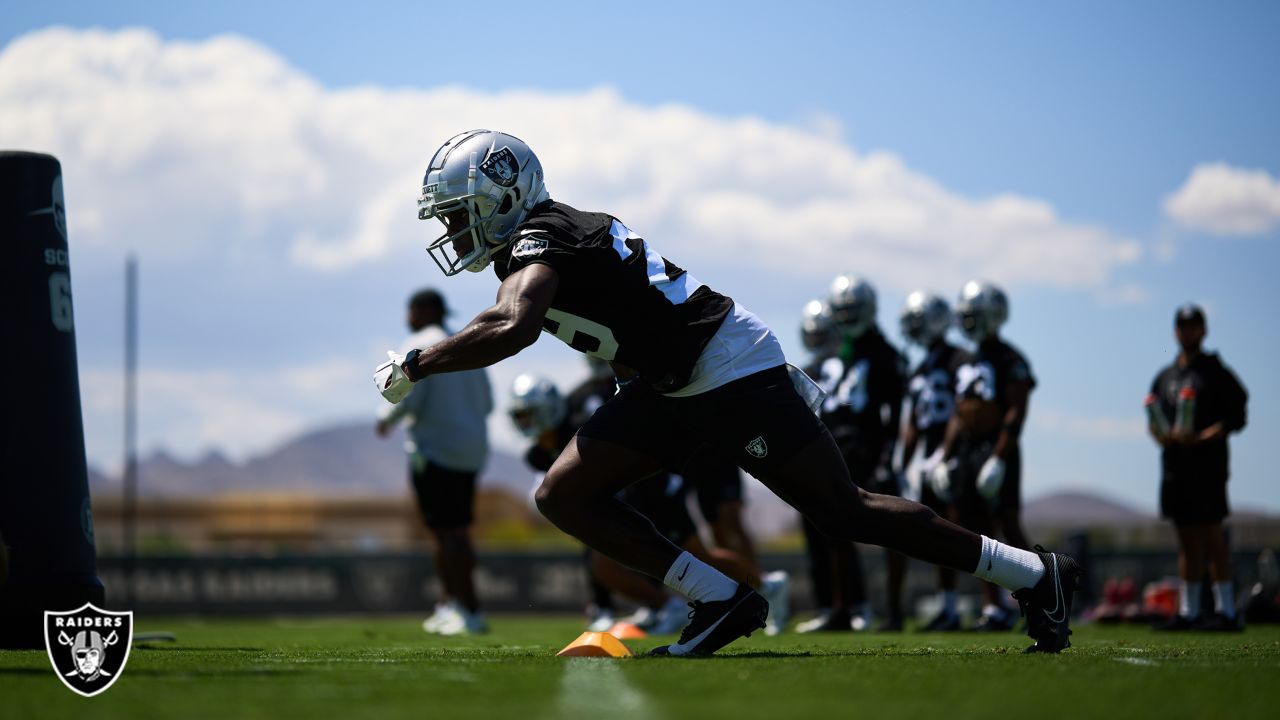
683	572
686	648
1058	614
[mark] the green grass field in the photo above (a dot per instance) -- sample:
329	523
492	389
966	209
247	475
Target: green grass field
388	668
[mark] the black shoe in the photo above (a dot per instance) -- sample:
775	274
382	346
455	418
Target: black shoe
943	623
1000	622
830	621
712	625
890	625
1178	623
1218	622
1047	606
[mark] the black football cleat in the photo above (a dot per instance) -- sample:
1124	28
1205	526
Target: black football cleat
1218	622
712	625
1047	606
1177	623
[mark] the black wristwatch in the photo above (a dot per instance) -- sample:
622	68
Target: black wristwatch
410	365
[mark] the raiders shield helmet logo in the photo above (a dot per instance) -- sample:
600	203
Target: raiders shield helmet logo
88	647
501	167
758	448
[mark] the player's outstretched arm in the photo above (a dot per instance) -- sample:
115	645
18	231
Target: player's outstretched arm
506	328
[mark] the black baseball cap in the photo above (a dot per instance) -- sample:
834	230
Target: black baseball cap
1189	314
429	298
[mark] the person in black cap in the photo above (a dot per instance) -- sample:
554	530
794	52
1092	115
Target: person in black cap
1193	405
447	443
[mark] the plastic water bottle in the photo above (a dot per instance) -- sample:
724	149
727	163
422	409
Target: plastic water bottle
1186	416
1155	415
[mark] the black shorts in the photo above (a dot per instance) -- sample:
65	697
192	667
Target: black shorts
446	498
1194	500
661	498
715	480
758	422
970	455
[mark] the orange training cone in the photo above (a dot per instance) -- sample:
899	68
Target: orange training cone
594	644
627	631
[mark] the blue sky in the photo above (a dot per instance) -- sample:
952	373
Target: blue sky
1078	121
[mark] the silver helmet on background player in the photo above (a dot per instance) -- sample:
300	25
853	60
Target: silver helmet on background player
982	309
853	305
536	405
924	318
480	185
817	331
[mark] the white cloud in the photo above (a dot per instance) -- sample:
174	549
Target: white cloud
1225	200
217	160
195	149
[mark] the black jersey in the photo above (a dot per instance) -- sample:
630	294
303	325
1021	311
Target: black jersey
864	385
987	373
617	299
931	392
1219	398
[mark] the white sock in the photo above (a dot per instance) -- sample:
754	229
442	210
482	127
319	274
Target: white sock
1007	566
1224	599
949	602
1190	599
698	581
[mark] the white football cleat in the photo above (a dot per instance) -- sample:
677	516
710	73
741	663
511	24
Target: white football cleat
443	614
776	588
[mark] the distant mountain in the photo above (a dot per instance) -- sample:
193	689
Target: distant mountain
1081	508
351	460
343	460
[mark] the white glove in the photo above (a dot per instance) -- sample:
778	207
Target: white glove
391	380
991	478
939	477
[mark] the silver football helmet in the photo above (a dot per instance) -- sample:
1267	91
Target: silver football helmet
924	318
982	309
536	405
853	305
817	331
480	185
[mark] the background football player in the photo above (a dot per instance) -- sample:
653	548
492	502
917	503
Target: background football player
980	466
538	410
706	371
864	384
924	320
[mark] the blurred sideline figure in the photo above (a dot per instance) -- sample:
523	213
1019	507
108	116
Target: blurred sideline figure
704	371
864	383
447	445
925	319
1193	405
980	465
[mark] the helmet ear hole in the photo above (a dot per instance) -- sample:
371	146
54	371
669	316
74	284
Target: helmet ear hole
505	207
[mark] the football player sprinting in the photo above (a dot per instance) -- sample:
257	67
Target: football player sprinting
705	370
924	321
981	464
